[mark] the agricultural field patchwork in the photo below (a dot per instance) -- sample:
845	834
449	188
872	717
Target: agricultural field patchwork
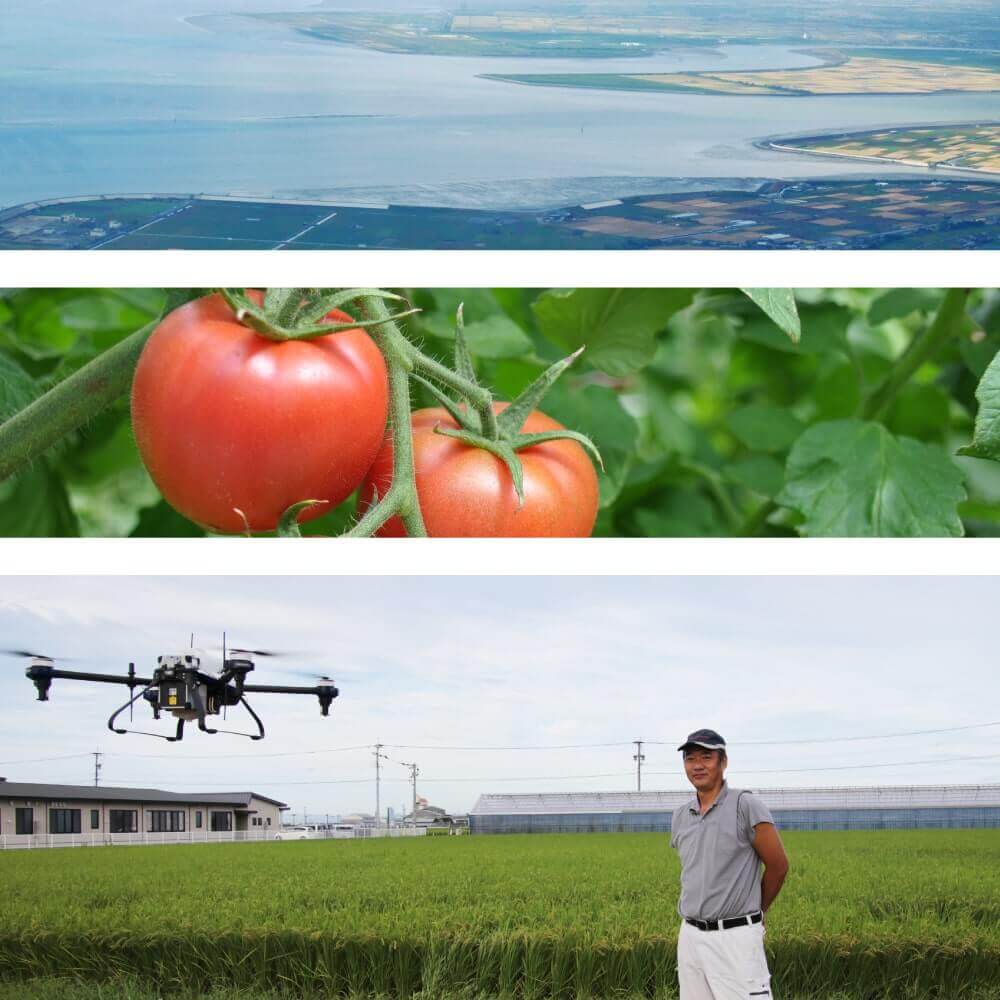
849	75
972	147
503	34
892	914
861	214
600	28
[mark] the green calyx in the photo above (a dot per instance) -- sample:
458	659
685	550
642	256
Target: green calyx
297	313
500	433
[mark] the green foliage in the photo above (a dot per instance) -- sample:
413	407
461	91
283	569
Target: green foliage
711	417
779	304
893	915
854	477
618	326
986	440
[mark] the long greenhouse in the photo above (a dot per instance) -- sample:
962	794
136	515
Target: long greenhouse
901	807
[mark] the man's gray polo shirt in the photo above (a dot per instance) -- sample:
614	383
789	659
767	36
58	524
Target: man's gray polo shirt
720	871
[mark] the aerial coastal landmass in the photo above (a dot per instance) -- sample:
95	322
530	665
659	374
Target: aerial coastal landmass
515	124
866	214
961	147
603	28
840	73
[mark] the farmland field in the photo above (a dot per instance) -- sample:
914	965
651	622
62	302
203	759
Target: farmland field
840	214
972	147
841	75
908	914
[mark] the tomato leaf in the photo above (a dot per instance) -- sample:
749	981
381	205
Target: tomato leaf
986	436
764	428
17	387
679	514
899	303
35	504
779	304
497	337
162	521
618	327
597	412
763	474
854	478
825	330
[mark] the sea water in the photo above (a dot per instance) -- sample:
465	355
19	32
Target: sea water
187	97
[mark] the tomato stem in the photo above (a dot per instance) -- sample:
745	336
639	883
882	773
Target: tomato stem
947	323
78	398
401	498
479	397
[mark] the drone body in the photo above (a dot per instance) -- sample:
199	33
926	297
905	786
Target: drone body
180	687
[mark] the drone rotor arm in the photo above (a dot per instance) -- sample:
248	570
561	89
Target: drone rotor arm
36	673
325	692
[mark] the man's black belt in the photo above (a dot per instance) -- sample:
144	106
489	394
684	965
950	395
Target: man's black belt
727	923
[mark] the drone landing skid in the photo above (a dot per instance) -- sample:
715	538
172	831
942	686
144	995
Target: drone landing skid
259	735
170	739
128	705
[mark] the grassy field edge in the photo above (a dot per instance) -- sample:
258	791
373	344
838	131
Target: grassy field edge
526	965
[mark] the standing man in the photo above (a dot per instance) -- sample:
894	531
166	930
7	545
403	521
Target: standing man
722	836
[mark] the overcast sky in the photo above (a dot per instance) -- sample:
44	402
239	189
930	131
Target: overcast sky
467	662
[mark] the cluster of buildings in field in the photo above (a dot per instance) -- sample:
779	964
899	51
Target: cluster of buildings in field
40	815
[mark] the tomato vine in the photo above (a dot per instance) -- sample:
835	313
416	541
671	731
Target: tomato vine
285	315
715	411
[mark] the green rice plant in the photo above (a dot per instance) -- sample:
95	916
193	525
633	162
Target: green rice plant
893	915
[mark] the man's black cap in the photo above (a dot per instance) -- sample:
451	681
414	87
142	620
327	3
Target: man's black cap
707	738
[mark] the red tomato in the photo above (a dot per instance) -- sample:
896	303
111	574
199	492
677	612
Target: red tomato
226	418
467	492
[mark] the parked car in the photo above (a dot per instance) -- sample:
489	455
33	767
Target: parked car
297	833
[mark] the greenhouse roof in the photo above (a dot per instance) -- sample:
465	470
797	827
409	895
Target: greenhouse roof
886	797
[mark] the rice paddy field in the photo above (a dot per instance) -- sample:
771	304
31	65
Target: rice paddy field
890	914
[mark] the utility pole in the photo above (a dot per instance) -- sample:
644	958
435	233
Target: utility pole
97	755
379	757
638	757
414	771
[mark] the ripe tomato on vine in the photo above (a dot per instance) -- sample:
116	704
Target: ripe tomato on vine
227	418
466	491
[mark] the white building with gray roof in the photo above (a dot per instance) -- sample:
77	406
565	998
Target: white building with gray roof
897	807
43	815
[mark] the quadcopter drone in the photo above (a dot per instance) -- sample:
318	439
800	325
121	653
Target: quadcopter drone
181	688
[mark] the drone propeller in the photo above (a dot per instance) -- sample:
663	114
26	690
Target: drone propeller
307	675
25	654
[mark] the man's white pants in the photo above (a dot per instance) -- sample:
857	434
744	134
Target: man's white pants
723	965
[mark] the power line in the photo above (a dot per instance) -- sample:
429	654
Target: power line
855	767
237	756
42	760
505	749
844	739
566	746
617	774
